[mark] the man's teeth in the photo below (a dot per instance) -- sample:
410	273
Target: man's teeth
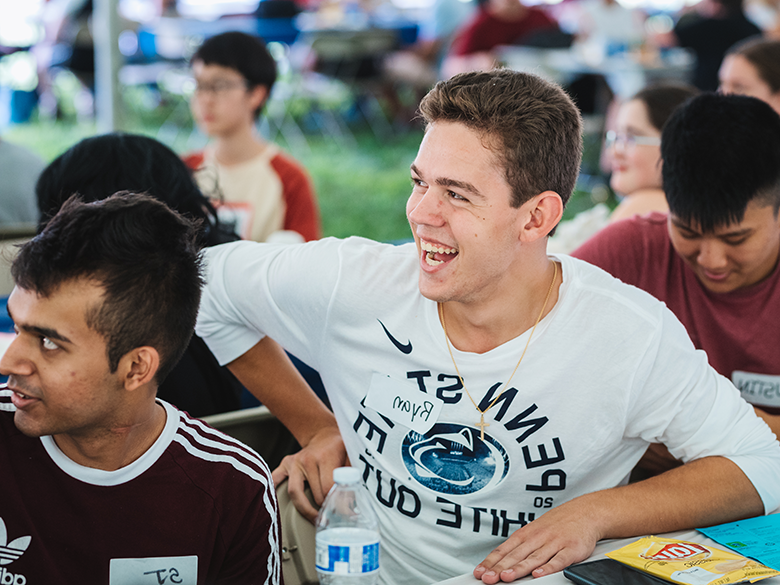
440	249
20	395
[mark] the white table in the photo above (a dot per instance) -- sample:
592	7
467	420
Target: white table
604	547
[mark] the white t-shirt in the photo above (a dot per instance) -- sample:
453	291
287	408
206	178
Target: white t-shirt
608	371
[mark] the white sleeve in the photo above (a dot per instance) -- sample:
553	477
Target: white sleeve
686	405
255	289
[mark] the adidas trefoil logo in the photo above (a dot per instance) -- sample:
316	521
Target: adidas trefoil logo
11	551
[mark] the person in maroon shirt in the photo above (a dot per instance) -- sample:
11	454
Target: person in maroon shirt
714	259
497	22
102	483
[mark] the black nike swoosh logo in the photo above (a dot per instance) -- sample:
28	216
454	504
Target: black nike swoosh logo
403	348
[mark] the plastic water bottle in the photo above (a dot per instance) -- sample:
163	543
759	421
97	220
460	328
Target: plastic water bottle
347	533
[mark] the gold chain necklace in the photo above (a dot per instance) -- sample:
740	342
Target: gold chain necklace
482	424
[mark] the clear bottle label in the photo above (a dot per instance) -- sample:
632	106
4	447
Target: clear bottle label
358	558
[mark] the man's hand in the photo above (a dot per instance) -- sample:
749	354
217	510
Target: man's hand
562	536
313	464
705	492
269	374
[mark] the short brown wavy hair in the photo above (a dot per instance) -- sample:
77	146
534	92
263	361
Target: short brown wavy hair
531	124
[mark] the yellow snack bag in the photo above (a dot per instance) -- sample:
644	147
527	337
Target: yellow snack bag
690	563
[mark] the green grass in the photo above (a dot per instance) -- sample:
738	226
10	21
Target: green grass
363	190
362	187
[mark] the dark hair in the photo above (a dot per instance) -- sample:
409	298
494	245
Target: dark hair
98	166
662	99
764	55
145	257
719	153
245	53
732	7
531	124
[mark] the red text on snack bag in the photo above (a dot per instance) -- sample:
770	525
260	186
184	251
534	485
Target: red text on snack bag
678	550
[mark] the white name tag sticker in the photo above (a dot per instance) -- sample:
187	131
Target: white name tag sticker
403	403
758	389
154	570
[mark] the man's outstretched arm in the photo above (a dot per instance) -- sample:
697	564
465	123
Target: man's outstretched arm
704	492
268	373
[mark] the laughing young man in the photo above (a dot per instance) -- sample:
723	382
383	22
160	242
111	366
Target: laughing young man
102	483
495	398
713	260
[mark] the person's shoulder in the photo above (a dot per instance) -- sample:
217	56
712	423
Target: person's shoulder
292	174
216	462
596	289
284	160
652	224
624	238
357	252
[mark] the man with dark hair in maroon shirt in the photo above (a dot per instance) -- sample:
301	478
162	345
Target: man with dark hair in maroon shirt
101	481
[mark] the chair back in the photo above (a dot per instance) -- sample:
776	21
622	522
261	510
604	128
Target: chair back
298	541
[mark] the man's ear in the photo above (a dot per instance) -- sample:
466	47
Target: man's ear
258	96
543	213
139	367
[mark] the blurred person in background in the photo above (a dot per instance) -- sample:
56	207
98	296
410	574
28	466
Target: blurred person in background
102	165
19	169
419	66
255	186
709	30
633	150
752	68
496	23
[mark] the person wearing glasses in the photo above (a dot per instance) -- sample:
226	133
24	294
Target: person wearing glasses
633	152
262	191
634	148
713	259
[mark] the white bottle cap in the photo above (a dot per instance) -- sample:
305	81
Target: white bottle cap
346	475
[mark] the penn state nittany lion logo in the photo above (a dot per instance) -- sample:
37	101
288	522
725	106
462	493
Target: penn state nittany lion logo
452	459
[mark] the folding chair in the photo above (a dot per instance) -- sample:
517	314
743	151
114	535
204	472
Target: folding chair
354	58
298	541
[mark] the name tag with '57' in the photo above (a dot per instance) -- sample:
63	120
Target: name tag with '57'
403	403
154	571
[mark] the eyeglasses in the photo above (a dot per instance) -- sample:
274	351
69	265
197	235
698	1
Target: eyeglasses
219	87
628	140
